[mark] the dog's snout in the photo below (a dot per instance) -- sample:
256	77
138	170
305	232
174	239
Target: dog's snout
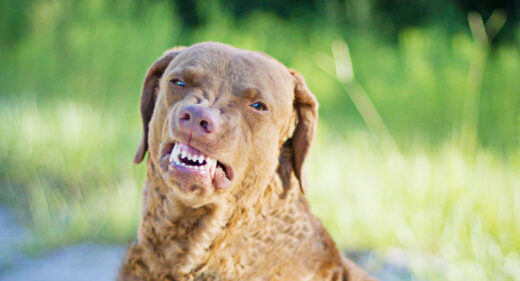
199	120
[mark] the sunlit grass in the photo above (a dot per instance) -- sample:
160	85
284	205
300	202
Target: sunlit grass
67	169
436	202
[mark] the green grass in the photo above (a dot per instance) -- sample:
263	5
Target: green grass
68	169
434	202
69	127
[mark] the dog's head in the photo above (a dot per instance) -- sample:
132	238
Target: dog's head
216	118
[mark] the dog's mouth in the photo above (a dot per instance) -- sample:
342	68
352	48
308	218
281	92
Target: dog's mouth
186	161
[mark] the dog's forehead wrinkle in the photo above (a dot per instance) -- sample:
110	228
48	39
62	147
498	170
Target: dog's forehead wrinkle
248	92
194	73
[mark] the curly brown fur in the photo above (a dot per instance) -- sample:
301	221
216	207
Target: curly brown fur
248	218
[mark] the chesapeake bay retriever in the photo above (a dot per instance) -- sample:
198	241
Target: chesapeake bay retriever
227	132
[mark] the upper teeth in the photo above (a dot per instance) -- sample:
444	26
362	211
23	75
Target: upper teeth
178	153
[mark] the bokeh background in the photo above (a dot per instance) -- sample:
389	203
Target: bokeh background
418	147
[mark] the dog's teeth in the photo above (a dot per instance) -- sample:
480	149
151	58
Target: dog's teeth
182	164
173	153
212	164
201	159
189	156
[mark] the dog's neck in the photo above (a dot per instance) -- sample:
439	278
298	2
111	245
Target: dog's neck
181	237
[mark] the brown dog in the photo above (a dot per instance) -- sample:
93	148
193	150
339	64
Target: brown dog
227	131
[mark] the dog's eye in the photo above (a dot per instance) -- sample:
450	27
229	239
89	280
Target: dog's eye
258	106
177	82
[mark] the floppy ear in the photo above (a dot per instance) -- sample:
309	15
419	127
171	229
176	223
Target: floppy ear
306	107
149	96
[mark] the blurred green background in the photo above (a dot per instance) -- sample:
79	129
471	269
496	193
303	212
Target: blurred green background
419	137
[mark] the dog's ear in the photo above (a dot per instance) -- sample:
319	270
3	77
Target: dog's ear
306	107
149	96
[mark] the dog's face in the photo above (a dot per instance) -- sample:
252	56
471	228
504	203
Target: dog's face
216	117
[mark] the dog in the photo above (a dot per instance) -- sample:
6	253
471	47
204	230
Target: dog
227	132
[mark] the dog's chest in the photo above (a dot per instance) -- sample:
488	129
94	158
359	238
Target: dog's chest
265	245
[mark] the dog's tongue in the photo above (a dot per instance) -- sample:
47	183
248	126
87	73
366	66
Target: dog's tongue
220	181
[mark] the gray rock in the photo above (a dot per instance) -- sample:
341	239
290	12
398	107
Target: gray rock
12	237
387	267
84	262
79	262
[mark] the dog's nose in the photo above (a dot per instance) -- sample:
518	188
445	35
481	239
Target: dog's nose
199	120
